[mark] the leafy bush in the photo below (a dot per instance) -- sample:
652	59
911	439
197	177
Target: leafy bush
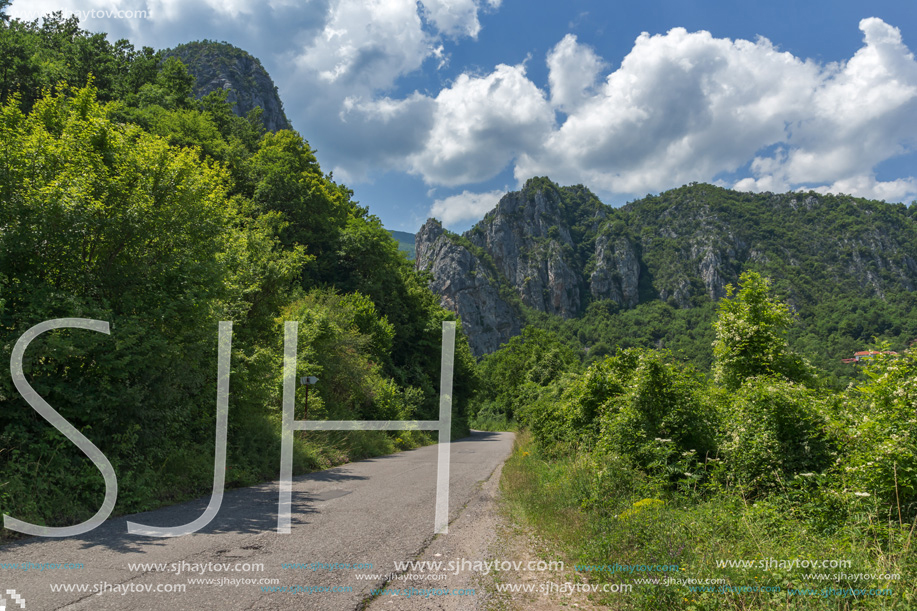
567	412
774	429
339	341
163	216
881	427
661	403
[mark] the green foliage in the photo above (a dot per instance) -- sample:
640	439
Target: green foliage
774	430
527	362
339	335
131	202
174	86
751	336
763	468
881	435
591	507
85	204
35	58
406	243
570	408
661	413
605	327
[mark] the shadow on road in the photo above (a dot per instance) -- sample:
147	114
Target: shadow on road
244	511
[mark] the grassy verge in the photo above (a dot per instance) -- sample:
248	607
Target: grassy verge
607	516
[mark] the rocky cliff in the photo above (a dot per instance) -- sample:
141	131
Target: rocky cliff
532	251
558	249
220	65
469	286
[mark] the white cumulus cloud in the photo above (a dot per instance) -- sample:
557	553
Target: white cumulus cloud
368	44
681	106
480	124
687	106
453	17
862	113
465	206
572	72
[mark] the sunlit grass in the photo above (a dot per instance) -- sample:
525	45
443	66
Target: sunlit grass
599	518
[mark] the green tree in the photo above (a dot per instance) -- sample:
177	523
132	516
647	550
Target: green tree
535	358
102	220
751	336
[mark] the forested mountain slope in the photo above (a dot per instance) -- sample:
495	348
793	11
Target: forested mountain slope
654	267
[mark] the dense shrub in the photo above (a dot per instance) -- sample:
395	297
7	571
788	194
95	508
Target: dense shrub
881	434
512	375
101	220
341	340
662	403
773	430
569	411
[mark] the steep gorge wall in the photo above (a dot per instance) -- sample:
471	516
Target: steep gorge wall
557	249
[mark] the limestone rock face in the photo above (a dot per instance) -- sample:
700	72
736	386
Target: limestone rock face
617	271
528	241
525	254
222	66
557	249
466	287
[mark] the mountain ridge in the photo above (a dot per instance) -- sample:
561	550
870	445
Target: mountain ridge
557	250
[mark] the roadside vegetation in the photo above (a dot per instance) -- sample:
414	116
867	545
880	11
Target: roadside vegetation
639	459
126	199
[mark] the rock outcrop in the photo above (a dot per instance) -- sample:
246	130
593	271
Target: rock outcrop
530	244
467	288
617	271
557	249
220	65
524	255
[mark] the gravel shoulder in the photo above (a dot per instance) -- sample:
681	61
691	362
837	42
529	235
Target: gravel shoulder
484	533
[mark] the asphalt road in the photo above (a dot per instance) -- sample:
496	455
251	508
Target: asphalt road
373	512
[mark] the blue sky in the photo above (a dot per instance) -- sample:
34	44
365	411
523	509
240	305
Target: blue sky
437	107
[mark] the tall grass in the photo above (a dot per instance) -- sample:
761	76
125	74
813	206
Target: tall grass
599	511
